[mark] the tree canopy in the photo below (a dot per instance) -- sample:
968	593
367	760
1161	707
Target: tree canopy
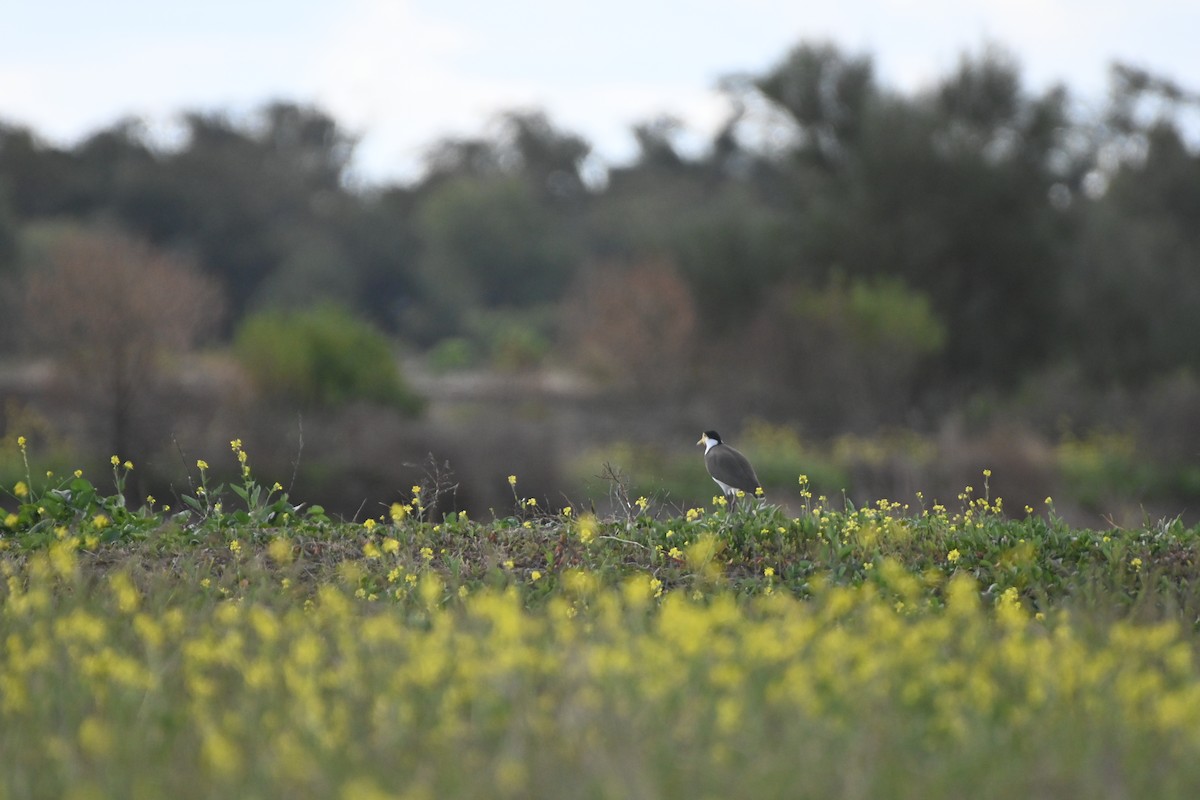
1027	233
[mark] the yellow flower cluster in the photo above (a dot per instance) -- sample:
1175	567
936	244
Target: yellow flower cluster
485	696
589	526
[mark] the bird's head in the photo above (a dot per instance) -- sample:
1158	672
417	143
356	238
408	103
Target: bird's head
709	436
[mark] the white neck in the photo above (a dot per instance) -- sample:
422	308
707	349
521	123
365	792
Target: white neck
709	444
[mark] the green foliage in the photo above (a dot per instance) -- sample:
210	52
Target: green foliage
882	313
1137	257
737	226
47	511
456	352
73	508
827	93
946	191
321	357
514	343
314	265
490	242
758	547
978	194
504	340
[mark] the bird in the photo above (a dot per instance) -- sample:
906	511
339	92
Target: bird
730	469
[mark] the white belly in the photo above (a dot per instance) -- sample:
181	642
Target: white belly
725	487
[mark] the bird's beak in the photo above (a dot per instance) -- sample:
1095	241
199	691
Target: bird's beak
703	439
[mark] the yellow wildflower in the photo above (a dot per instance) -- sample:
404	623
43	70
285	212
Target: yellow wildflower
280	550
587	528
96	737
21	490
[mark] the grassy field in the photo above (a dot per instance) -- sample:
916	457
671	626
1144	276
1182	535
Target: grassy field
241	645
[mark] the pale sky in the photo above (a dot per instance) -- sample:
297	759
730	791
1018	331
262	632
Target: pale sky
400	74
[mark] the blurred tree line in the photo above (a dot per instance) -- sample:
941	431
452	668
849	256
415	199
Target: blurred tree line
839	253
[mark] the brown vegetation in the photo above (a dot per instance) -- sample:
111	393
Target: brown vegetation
113	311
634	326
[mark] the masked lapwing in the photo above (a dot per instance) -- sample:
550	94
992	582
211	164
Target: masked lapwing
729	468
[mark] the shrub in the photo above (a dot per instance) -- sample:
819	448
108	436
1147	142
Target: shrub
846	356
455	352
321	357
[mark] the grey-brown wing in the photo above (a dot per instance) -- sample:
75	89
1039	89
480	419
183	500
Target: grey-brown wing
729	466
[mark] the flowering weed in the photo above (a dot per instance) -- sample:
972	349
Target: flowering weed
900	652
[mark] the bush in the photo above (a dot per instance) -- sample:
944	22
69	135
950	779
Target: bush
847	356
455	352
321	357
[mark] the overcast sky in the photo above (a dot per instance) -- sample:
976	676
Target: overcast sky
403	73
